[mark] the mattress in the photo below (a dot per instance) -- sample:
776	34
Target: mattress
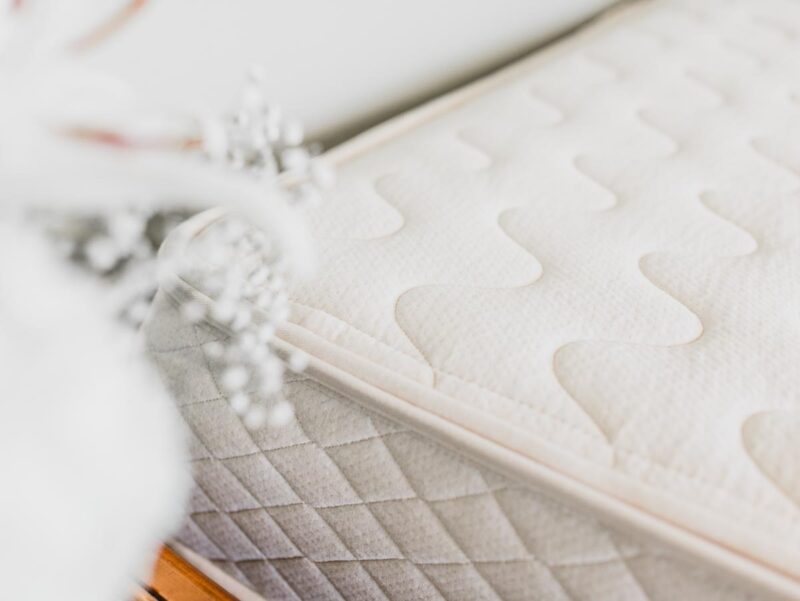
554	337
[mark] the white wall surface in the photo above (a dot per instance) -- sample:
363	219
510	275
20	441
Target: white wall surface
338	65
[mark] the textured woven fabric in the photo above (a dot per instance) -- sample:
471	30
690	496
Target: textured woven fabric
348	505
584	271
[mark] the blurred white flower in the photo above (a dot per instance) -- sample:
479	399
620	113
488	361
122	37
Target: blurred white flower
92	455
91	449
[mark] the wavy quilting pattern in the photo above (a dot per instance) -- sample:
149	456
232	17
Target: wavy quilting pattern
595	261
742	363
425	249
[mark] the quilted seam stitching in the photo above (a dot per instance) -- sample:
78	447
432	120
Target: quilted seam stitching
631	571
532	556
375	517
416	563
236	477
430	509
361	502
314	508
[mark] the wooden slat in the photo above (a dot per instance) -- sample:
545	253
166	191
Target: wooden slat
174	579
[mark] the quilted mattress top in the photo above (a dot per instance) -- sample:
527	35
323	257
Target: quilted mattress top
586	270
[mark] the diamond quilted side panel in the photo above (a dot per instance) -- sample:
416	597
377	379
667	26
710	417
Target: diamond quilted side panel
344	504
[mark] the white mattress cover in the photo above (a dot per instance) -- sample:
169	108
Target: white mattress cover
583	271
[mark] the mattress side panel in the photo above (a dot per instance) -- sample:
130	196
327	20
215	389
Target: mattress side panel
347	504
